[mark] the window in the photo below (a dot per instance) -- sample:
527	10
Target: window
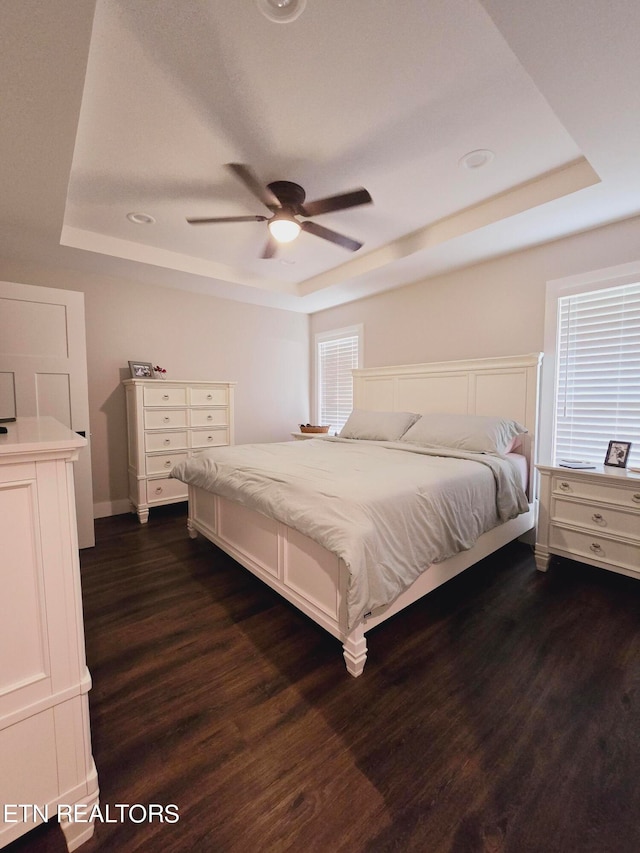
337	354
597	389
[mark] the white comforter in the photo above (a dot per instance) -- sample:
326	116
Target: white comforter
388	510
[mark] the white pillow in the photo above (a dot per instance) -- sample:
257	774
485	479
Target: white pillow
377	426
476	433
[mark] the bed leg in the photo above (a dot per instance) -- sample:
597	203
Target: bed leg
193	533
355	651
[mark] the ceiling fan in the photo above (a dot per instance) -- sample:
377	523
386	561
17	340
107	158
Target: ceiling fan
285	200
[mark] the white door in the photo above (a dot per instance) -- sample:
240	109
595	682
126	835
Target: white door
43	371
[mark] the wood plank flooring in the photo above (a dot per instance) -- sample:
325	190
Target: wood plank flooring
501	713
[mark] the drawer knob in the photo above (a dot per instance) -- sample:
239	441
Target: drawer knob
158	490
167	441
209	396
166	419
209	417
636	498
165	396
564	485
209	438
596	547
167	464
597	517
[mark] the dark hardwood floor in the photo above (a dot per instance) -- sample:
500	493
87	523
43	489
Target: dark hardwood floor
501	713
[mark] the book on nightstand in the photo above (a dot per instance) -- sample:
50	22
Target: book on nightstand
575	463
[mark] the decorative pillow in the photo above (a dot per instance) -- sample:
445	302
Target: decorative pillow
377	426
476	433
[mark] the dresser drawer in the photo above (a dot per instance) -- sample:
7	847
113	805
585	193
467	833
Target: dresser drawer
209	417
166	490
208	396
164	462
165	440
163	396
165	418
594	547
209	437
599	491
603	518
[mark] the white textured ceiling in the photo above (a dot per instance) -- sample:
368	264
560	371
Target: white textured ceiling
388	95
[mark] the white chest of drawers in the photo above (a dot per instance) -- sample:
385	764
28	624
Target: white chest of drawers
45	740
167	421
592	516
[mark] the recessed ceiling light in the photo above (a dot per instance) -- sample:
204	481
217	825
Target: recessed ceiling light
281	11
476	159
141	218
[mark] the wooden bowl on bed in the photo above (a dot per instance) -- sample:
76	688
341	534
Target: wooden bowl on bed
316	429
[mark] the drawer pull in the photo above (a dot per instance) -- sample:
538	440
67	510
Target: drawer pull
209	438
209	417
167	464
209	396
167	441
636	498
564	486
158	490
597	517
166	419
596	547
165	396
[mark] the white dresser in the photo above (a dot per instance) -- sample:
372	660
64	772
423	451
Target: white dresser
592	516
166	422
45	743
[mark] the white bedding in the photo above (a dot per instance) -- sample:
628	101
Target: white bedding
386	509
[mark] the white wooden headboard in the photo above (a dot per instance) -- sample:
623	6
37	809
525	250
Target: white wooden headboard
505	386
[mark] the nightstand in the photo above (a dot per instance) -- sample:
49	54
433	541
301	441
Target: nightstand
592	516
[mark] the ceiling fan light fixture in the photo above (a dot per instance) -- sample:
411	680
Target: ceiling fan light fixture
281	11
284	228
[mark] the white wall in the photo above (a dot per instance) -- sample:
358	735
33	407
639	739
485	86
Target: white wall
265	350
494	308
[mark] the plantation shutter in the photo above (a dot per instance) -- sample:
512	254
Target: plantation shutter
598	387
337	357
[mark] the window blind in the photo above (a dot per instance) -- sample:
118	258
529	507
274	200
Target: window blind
598	381
337	357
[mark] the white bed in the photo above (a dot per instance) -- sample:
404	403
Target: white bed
317	580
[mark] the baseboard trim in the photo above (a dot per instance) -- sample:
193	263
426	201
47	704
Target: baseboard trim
107	508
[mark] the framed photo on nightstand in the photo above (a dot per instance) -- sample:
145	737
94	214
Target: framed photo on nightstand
617	454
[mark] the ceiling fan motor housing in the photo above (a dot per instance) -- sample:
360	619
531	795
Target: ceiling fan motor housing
290	195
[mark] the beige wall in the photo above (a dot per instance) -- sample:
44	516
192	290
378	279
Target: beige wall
494	308
193	336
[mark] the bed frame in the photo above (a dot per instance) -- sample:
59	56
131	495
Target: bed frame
314	579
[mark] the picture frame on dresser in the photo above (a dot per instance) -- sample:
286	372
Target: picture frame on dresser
617	454
141	370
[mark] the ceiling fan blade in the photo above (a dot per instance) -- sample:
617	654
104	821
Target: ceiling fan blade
270	249
332	236
253	184
227	219
336	202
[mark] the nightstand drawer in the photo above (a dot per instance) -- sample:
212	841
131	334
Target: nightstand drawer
167	418
164	462
165	440
209	417
594	547
600	491
209	437
163	396
604	519
166	490
208	396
